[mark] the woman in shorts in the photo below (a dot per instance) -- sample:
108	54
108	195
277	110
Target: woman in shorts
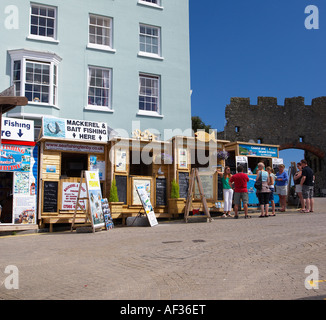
264	192
271	187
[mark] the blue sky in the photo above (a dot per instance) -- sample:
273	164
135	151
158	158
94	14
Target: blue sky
254	48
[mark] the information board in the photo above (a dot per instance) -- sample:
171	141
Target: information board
121	182
161	192
207	180
183	184
50	196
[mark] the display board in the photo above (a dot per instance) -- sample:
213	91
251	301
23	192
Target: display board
121	182
95	198
146	183
70	194
183	184
242	161
161	192
50	196
207	180
146	203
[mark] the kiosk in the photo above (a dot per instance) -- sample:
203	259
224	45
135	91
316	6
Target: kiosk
68	147
205	153
249	155
140	161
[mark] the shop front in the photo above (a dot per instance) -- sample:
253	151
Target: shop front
205	153
18	175
140	161
248	155
68	147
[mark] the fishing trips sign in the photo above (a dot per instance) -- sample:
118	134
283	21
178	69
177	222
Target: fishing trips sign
75	129
14	158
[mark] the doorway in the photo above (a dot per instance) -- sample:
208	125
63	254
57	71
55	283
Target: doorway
6	196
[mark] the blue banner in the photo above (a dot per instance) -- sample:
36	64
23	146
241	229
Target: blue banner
259	151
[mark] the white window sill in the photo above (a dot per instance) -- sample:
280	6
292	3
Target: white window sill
99	108
44	39
149	55
148	4
101	48
41	104
149	114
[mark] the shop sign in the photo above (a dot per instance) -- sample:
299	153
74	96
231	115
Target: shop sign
17	129
70	194
84	130
73	147
14	158
259	151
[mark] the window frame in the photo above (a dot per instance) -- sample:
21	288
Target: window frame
55	26
150	54
51	59
150	4
157	113
96	107
101	46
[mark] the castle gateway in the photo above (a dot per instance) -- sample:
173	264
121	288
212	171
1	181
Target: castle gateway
292	125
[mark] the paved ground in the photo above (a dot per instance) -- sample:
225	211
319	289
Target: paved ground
257	258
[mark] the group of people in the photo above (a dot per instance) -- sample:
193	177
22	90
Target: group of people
235	189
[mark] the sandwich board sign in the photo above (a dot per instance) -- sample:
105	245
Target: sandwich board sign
93	210
95	198
146	202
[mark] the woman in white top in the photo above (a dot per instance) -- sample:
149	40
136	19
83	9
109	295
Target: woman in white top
263	194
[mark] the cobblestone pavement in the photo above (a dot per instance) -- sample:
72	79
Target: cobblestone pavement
257	258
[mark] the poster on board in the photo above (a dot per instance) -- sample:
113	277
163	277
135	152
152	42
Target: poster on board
242	161
70	194
95	198
146	202
276	162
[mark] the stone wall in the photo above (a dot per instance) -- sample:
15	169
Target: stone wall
292	125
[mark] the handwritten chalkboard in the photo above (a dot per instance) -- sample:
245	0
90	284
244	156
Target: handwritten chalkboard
121	182
161	192
50	196
183	184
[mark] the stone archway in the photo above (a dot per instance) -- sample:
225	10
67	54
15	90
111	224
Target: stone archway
292	125
304	146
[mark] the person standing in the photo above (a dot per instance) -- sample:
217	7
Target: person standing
307	183
227	191
271	188
264	192
240	181
282	179
298	187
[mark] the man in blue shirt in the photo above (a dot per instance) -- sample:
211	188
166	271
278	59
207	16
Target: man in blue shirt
282	179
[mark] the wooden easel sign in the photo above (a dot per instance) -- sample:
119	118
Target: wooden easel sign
146	202
195	176
93	211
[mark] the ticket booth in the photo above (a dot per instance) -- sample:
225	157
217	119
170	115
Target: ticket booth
249	155
206	154
140	160
67	147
